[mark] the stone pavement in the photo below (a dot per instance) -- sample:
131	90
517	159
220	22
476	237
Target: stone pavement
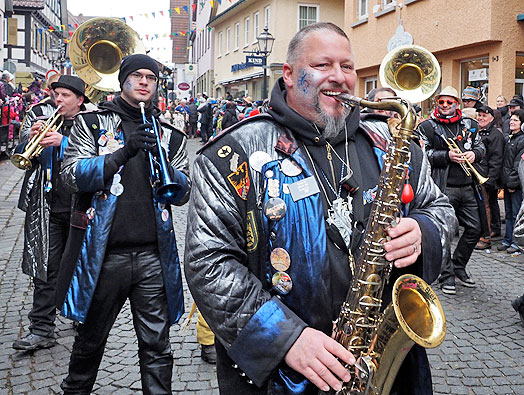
483	352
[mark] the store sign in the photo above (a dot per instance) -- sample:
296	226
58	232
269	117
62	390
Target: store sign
183	86
478	75
239	66
255	61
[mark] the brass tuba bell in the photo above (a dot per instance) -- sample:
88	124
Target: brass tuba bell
411	71
96	51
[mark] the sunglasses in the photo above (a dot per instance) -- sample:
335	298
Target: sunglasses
449	102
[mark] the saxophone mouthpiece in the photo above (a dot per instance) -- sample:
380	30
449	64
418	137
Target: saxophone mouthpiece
348	100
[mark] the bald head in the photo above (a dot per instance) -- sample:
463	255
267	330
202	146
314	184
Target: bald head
296	44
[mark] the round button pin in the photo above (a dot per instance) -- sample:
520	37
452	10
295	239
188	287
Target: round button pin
282	282
259	159
290	168
117	189
165	215
275	209
280	259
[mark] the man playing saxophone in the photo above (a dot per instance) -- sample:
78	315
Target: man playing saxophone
126	247
47	205
277	213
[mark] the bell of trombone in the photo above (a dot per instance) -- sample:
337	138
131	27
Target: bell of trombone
96	51
411	71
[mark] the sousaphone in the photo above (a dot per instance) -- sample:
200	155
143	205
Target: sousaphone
96	51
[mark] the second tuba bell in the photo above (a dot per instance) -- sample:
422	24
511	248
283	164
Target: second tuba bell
96	51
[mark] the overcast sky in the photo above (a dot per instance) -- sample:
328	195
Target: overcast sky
144	25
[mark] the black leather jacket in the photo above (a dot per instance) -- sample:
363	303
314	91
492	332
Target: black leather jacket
512	155
433	135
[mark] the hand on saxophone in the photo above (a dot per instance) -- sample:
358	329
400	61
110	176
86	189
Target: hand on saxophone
404	247
314	355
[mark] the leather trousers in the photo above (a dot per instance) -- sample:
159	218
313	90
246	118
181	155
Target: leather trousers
43	313
464	202
137	276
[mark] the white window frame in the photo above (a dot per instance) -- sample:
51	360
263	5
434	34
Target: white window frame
228	39
256	26
237	35
246	32
388	3
362	14
317	6
219	45
267	16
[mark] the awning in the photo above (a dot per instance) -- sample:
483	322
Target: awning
245	77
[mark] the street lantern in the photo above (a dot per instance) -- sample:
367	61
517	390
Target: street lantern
265	42
54	54
265	46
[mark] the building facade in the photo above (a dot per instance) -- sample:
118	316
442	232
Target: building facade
180	23
477	42
32	32
237	25
202	48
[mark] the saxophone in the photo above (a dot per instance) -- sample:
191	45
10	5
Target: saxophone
380	339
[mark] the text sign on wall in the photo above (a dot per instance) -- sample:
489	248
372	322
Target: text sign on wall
478	74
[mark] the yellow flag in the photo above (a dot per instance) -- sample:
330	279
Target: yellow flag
177	10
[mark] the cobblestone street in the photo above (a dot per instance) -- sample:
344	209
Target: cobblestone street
483	352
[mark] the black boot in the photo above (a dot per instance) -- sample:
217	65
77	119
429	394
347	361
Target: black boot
209	354
518	306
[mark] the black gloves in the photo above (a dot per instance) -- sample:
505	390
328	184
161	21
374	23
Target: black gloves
138	139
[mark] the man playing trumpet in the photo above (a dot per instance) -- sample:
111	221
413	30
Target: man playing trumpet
127	248
448	126
47	206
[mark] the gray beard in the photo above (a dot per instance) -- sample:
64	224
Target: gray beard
333	126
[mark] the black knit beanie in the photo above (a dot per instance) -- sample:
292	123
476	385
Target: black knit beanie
136	62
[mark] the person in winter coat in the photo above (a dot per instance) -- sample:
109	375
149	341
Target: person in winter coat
193	119
510	178
267	270
230	115
490	167
446	124
123	246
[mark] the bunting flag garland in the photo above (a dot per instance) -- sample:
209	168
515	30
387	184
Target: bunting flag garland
179	11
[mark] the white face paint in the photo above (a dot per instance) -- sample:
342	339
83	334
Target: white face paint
136	91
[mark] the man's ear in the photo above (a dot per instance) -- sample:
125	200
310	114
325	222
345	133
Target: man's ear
287	73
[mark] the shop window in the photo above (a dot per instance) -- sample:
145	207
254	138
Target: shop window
475	73
369	84
519	74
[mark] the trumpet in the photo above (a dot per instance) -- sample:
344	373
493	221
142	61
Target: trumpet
33	147
164	189
466	166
